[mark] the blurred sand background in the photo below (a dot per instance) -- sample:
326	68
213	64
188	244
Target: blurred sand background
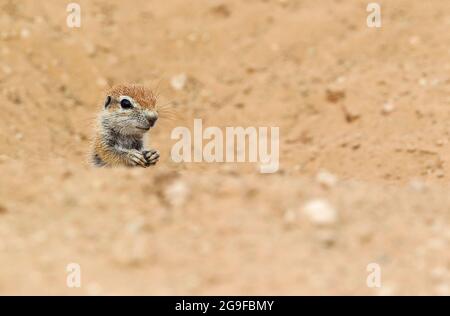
364	122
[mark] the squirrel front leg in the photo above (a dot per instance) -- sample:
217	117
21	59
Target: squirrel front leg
130	157
119	156
152	156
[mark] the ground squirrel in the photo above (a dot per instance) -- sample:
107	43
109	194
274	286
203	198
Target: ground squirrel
128	113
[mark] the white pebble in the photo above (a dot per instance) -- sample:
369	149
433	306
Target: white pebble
417	185
90	48
414	40
93	289
177	193
320	212
25	33
4	158
388	107
6	69
386	290
326	179
178	81
289	217
443	289
136	226
439	273
102	82
192	37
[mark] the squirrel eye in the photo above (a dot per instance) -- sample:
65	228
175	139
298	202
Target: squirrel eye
126	104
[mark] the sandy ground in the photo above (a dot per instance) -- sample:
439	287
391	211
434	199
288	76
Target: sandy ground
364	127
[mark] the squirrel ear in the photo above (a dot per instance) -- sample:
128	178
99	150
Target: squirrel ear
107	101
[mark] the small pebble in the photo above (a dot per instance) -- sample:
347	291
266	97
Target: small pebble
414	40
192	37
289	217
25	33
320	212
326	179
6	69
388	108
386	290
132	250
441	142
439	273
443	289
440	173
4	158
136	226
221	10
93	289
178	82
177	193
327	237
90	48
335	95
102	82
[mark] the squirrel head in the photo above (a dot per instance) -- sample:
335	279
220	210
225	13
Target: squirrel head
129	109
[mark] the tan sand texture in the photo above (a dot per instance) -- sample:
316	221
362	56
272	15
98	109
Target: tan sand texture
364	120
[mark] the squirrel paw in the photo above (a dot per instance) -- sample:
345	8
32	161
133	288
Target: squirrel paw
138	158
152	156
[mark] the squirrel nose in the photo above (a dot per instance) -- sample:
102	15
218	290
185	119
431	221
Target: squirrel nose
152	117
